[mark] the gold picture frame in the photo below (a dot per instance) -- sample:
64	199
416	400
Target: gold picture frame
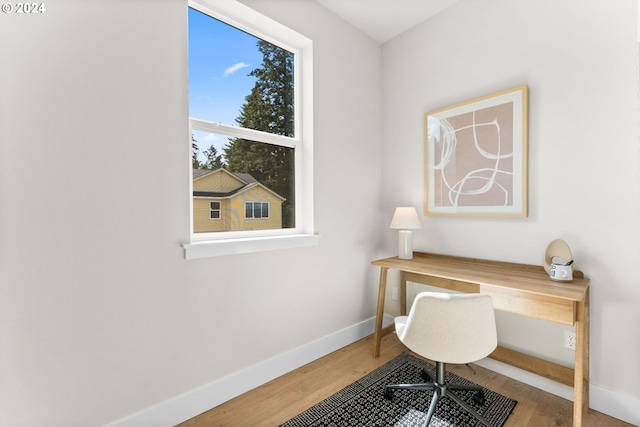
476	156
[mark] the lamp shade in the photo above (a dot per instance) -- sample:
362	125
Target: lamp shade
405	219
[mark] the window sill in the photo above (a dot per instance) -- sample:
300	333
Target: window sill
213	248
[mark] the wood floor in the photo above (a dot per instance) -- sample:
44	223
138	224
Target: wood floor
283	398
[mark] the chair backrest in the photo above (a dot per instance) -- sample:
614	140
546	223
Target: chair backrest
450	328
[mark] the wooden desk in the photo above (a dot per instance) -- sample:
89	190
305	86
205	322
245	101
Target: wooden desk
516	288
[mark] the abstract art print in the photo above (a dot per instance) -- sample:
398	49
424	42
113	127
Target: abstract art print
476	156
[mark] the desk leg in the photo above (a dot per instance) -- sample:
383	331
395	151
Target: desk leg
403	293
382	290
581	371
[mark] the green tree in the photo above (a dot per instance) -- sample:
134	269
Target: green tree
195	163
214	160
269	108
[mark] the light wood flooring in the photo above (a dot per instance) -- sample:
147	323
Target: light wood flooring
281	399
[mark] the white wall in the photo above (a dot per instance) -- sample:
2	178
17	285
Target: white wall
100	315
579	59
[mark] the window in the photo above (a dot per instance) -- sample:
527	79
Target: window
256	210
250	119
214	210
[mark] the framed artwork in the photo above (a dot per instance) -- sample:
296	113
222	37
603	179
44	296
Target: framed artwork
476	156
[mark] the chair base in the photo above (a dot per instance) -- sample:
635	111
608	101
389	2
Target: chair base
441	388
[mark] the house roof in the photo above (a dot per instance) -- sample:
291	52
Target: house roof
248	180
244	177
197	173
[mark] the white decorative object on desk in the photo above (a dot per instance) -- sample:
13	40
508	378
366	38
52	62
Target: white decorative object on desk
558	261
405	219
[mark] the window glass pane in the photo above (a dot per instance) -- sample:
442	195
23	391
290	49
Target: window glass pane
238	79
238	169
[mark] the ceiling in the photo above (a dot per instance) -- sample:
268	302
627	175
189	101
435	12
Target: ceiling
382	20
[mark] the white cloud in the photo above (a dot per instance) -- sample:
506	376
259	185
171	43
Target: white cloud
235	68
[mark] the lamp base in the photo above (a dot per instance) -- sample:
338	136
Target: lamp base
405	244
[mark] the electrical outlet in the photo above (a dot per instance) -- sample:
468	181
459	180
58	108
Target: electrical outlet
394	293
570	340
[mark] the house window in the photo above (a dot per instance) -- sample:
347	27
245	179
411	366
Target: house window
214	210
250	114
256	210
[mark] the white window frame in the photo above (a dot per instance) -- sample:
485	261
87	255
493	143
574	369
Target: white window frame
203	245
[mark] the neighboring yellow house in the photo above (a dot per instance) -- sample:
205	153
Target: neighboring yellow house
227	201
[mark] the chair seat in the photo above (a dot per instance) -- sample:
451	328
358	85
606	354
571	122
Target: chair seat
450	328
400	323
447	328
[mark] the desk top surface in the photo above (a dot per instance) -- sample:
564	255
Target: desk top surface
528	278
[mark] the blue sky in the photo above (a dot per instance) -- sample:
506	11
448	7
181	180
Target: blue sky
220	57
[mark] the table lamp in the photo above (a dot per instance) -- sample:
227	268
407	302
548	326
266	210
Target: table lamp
405	220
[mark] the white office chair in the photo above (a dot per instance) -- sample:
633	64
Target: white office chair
448	328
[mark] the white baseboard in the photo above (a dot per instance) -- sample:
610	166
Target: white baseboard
614	404
199	400
608	402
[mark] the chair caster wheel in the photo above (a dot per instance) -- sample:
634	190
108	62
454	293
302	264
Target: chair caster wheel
388	393
425	376
478	397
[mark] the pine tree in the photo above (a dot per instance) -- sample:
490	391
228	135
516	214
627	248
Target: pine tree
214	160
269	108
195	163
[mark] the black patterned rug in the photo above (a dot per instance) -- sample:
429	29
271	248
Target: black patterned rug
363	404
